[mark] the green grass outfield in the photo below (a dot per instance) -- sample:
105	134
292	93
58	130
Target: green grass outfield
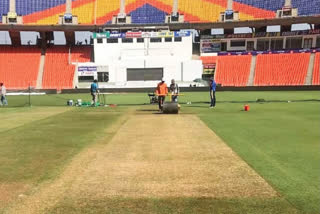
279	139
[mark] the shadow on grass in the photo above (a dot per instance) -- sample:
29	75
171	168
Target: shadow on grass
174	205
147	110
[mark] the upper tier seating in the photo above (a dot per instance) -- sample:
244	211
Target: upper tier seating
58	73
151	11
316	70
233	70
305	7
48	11
147	14
19	66
281	69
4	8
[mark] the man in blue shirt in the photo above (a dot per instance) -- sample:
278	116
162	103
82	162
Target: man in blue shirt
94	90
213	86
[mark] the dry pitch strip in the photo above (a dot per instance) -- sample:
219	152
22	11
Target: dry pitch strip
152	156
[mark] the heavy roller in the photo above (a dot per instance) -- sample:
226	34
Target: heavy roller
171	107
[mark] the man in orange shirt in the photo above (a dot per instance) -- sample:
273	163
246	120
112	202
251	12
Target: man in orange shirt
162	91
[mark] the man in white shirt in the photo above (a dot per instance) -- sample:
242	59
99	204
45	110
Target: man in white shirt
174	89
3	93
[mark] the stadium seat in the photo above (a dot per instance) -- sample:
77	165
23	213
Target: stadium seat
147	14
316	70
58	72
281	69
233	70
19	66
4	8
81	54
305	7
152	11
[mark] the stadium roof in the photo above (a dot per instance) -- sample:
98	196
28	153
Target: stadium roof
177	26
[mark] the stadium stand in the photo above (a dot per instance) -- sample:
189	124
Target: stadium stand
233	70
25	7
151	11
81	54
19	66
58	73
4	8
281	69
147	14
48	12
106	10
316	70
305	7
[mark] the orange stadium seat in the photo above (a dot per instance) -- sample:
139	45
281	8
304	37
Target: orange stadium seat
81	54
58	72
281	69
19	66
233	70
316	70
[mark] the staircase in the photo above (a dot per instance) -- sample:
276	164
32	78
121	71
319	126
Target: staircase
41	70
310	70
252	71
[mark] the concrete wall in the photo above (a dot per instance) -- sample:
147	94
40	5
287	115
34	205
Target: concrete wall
109	52
174	57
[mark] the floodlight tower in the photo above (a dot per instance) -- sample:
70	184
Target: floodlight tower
122	17
287	10
12	17
68	18
175	16
229	15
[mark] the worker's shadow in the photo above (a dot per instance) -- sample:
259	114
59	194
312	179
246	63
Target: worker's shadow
148	110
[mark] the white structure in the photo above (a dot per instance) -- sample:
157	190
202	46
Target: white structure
287	10
229	15
122	17
68	18
175	17
12	17
142	59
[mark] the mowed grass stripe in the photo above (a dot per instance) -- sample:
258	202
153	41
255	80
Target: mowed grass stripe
280	141
39	150
15	117
30	152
